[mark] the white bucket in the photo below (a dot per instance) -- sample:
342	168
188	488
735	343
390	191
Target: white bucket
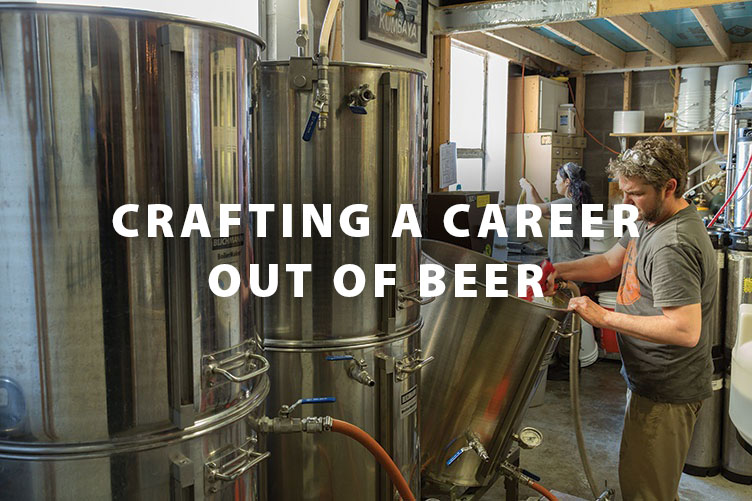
726	76
588	346
608	240
629	122
693	108
607	298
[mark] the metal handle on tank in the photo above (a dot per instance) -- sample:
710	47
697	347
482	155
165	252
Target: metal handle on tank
238	361
416	299
411	364
250	459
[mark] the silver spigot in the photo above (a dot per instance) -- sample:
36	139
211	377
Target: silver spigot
356	369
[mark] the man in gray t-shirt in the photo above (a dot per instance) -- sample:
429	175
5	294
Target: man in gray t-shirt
664	308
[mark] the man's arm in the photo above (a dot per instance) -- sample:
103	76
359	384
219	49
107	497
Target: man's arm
598	268
679	325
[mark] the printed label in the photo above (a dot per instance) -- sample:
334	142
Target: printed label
545	140
717	384
220	243
483	200
409	401
747	285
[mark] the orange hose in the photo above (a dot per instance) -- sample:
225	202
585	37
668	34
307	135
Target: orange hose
544	492
378	452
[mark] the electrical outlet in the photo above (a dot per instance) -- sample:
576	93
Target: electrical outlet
668	120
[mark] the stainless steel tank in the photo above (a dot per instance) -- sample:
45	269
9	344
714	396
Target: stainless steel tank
112	345
370	153
704	455
743	197
490	354
737	463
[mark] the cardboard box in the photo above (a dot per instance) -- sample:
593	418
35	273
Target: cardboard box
439	203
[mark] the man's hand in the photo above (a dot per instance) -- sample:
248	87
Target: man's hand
590	311
550	289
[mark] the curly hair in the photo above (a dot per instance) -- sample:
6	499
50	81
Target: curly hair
670	163
579	189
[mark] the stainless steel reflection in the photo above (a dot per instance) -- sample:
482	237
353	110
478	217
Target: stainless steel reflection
739	270
718	325
370	153
490	353
108	336
704	455
373	159
198	462
737	463
330	466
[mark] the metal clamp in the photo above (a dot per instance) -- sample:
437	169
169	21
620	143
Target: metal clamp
404	296
357	369
410	364
234	362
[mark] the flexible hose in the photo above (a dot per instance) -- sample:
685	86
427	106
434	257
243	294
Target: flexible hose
741	179
543	491
574	391
326	28
378	452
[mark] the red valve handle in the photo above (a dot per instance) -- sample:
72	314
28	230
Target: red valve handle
547	268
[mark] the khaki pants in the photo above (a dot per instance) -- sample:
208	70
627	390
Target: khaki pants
654	446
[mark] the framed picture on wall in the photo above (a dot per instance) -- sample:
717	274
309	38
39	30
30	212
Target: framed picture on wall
397	24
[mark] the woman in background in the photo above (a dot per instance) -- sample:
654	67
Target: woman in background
571	185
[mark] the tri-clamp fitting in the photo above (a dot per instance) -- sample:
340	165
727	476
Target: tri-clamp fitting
321	102
357	369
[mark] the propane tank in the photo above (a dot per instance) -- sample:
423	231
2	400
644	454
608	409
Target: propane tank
740	401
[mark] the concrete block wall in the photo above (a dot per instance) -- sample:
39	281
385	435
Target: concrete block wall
653	93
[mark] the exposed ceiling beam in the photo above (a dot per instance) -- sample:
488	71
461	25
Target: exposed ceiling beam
636	28
530	41
714	29
608	8
687	56
589	41
491	44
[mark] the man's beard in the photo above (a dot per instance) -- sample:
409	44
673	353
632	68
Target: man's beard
654	215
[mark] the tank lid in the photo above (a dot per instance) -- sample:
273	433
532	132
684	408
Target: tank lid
741	240
720	236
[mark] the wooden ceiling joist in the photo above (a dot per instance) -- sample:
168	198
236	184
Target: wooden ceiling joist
709	21
530	41
481	40
686	56
636	28
590	41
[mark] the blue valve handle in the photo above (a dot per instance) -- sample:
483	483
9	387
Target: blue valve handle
456	456
335	358
318	400
358	110
531	475
310	126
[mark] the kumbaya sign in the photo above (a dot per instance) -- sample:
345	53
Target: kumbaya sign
354	222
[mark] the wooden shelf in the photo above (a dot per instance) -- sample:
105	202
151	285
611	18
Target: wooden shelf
692	133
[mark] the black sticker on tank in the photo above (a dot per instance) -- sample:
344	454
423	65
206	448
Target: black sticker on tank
219	243
409	401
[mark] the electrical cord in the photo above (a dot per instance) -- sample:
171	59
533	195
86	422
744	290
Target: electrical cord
579	118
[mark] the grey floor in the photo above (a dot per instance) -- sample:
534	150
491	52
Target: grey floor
557	461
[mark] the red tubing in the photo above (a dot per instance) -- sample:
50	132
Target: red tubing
379	453
544	492
732	193
746	221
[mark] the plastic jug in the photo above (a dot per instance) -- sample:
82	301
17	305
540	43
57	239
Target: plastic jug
740	400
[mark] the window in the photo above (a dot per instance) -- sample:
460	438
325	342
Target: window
478	120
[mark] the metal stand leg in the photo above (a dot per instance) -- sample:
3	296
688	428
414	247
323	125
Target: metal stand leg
511	486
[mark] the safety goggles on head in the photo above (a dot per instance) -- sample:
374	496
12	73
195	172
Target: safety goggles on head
639	157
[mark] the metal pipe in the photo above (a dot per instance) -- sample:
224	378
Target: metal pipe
302	39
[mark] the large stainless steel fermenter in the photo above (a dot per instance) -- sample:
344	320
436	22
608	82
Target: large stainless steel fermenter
491	353
362	350
122	376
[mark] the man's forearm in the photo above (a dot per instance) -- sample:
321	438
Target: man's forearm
588	269
656	329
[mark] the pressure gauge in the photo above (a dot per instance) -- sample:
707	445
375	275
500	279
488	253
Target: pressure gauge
529	438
